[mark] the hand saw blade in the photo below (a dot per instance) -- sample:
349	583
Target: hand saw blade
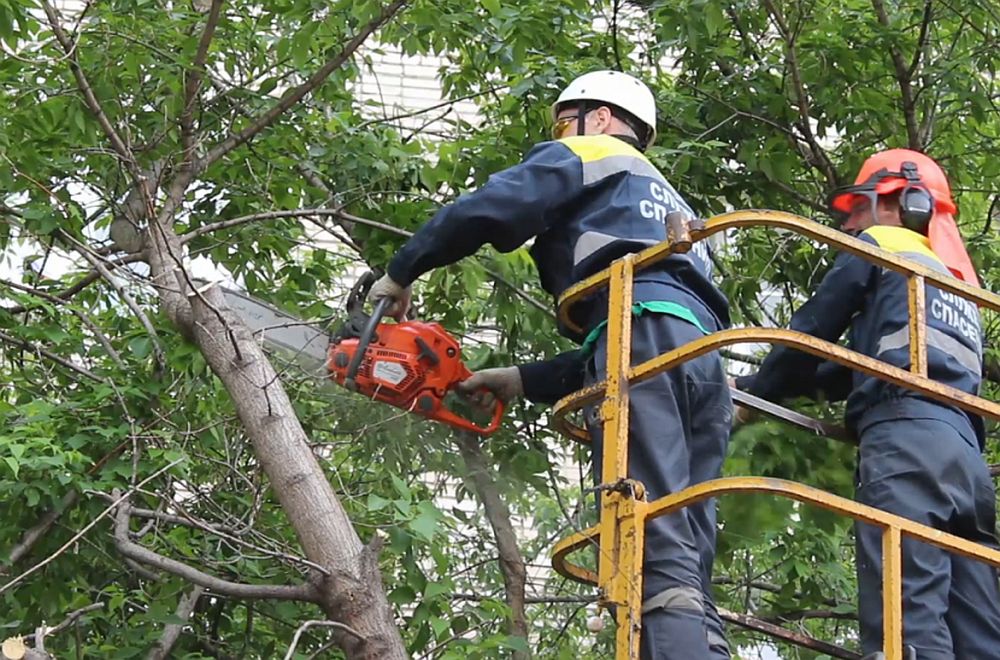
818	427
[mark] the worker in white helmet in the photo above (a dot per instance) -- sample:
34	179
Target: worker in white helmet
588	197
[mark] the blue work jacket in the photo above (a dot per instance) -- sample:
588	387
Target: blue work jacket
872	302
586	201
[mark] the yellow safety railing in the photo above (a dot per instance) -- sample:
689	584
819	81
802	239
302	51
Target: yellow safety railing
624	509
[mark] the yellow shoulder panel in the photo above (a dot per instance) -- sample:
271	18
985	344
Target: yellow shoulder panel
595	147
901	239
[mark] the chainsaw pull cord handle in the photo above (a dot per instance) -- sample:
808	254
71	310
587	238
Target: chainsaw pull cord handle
381	307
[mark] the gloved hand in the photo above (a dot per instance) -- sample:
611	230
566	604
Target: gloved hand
502	382
386	287
741	415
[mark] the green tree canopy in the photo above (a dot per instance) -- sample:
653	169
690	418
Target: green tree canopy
168	488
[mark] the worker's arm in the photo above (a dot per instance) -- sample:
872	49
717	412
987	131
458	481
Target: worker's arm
550	380
788	373
834	381
831	381
507	211
546	381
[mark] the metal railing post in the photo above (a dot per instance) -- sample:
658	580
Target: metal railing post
622	503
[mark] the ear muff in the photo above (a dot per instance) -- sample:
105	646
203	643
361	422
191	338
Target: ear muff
916	204
916	208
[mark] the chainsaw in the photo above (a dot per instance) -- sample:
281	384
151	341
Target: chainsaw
412	365
315	350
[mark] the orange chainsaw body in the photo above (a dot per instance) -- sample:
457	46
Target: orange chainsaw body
411	365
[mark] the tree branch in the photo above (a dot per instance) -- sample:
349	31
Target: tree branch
925	25
81	284
785	617
326	624
161	650
49	518
296	94
531	600
272	215
799	197
904	79
86	320
819	159
89	98
21	648
537	304
511	562
38	350
742	113
430	108
76	537
221	531
172	519
192	86
129	301
805	641
300	592
353	219
39	529
68	621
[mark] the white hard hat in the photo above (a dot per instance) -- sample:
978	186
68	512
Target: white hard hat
617	88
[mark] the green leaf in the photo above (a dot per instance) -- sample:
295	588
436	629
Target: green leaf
141	347
516	644
376	503
440	626
714	18
437	588
425	524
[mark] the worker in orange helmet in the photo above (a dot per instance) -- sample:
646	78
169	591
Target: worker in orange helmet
918	458
929	209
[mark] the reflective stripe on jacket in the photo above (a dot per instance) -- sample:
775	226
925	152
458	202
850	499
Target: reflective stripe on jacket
586	200
873	303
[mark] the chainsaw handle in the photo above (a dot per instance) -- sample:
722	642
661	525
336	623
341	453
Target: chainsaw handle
359	292
381	307
450	418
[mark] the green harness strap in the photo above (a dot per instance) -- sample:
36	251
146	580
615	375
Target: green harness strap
655	306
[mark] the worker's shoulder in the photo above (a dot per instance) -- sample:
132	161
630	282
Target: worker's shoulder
603	156
900	240
596	147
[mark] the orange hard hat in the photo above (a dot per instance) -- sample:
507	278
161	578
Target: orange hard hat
893	170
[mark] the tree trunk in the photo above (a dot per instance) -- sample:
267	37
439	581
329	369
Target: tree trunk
515	575
353	593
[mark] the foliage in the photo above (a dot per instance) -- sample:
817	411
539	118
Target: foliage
763	105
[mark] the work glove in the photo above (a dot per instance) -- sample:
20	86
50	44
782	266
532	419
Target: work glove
500	382
386	287
741	415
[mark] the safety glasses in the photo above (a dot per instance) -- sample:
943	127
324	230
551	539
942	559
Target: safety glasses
864	207
863	197
561	125
849	201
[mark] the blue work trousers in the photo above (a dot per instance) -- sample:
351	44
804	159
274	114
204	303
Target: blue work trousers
927	470
679	425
